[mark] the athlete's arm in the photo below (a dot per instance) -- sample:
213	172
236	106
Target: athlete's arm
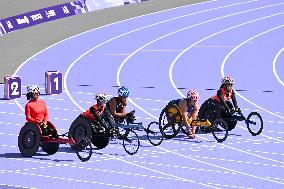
184	113
234	100
45	114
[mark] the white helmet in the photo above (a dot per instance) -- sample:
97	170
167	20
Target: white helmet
101	97
33	89
227	79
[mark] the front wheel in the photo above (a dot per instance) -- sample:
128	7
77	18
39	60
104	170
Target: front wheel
83	149
131	142
220	130
154	133
254	123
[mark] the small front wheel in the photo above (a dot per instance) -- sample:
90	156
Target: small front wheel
220	130
131	142
254	123
83	149
154	133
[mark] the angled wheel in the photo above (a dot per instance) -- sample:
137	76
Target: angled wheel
220	130
170	121
207	111
154	133
254	123
29	139
131	142
83	149
100	140
81	127
51	147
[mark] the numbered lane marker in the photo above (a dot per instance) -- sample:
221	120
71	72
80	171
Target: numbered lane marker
53	82
12	87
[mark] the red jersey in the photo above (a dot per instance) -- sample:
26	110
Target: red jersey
36	111
88	114
223	92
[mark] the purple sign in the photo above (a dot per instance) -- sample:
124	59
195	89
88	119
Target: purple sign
56	83
40	16
53	82
12	87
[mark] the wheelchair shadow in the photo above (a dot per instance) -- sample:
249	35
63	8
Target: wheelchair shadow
19	155
184	138
4	99
68	149
234	134
145	138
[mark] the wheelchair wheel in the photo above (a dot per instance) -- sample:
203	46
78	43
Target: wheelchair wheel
131	142
231	124
170	121
229	119
29	139
211	115
83	149
254	123
50	147
220	130
81	127
154	133
100	140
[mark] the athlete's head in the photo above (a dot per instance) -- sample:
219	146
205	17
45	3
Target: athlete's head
193	96
33	92
228	82
101	99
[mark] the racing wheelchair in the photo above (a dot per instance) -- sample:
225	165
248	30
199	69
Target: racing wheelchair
101	134
171	123
31	137
153	131
212	111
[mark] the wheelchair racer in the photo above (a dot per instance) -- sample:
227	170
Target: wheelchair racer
36	111
99	113
189	110
221	102
117	107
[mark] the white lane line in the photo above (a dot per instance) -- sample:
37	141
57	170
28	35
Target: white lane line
14	186
66	179
236	48
274	67
118	82
266	136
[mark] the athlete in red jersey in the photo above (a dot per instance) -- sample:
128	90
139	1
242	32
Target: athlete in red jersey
221	102
36	110
225	94
98	112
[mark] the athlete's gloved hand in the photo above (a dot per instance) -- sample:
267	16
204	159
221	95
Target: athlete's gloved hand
130	113
42	124
130	117
237	109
